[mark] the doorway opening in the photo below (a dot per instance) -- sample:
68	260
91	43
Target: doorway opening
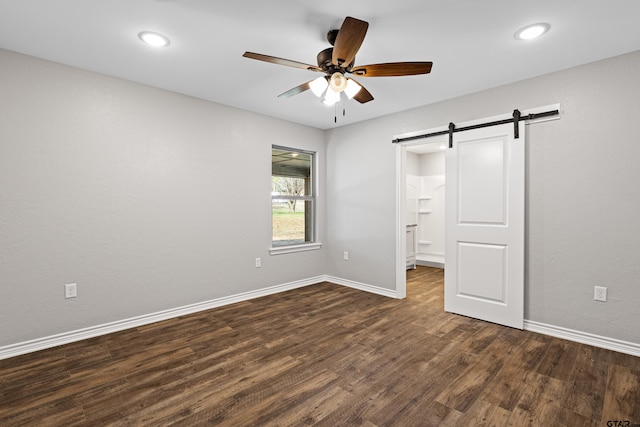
420	188
425	201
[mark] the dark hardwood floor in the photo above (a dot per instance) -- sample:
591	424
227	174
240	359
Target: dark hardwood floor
323	355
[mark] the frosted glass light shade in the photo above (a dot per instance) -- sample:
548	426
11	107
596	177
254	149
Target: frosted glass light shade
338	82
318	86
352	88
331	96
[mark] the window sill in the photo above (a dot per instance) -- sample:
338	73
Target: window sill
277	250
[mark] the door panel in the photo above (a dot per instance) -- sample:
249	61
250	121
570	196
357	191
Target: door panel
482	181
484	225
483	275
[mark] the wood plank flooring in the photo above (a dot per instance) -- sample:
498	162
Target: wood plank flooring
323	355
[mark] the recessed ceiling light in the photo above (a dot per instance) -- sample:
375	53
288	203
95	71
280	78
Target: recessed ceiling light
532	31
154	39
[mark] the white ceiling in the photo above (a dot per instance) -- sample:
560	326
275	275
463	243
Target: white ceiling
470	42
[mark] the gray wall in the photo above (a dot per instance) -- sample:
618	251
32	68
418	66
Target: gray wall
148	200
123	189
582	204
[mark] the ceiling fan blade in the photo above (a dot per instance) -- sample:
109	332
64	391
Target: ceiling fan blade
296	90
349	39
281	61
363	95
393	69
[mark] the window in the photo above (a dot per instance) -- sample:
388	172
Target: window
292	197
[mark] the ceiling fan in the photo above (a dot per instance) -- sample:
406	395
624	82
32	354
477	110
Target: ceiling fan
339	60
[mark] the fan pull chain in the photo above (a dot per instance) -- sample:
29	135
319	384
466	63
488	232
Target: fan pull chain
335	110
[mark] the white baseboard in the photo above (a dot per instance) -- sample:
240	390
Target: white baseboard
391	293
583	337
107	328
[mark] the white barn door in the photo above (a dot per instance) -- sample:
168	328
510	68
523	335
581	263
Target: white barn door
484	225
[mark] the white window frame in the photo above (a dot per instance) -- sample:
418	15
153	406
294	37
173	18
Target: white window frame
313	244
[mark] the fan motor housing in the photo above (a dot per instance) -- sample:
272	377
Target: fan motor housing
324	62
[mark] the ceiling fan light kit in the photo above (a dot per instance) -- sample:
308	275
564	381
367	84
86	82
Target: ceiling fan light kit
329	90
339	60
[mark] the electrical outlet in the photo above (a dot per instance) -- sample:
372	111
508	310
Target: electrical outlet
599	293
346	256
70	290
258	263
